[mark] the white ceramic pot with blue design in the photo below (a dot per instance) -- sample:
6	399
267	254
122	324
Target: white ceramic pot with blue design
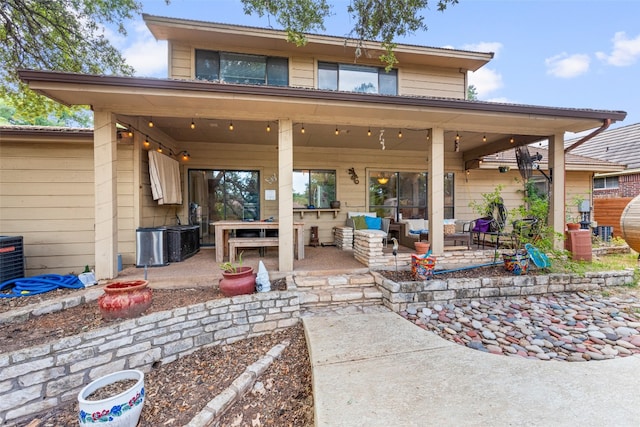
121	410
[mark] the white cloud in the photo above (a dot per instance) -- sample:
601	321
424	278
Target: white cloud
144	53
147	57
486	81
567	66
494	47
625	51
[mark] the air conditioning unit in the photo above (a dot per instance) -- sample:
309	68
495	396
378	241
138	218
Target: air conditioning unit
11	258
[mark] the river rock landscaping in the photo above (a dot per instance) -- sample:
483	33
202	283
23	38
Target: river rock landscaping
574	327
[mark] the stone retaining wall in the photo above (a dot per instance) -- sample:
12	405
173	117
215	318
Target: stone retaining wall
39	378
399	296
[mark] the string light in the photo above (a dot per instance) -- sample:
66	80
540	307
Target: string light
512	140
147	142
302	129
130	133
484	138
193	124
151	122
457	137
337	131
268	127
230	125
400	133
369	132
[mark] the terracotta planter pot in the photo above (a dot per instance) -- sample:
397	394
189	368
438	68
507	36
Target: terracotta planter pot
122	409
240	283
124	300
422	247
573	226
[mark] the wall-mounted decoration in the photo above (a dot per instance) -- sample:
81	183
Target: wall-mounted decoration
271	179
354	175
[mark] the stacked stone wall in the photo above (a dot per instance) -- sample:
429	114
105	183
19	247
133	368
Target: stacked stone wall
400	296
42	377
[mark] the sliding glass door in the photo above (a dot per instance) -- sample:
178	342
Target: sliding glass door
216	195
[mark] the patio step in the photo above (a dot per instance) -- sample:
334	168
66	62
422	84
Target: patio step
358	290
314	282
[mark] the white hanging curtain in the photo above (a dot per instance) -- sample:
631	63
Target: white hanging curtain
165	179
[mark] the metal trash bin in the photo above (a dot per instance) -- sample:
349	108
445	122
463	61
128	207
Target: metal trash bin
604	232
151	247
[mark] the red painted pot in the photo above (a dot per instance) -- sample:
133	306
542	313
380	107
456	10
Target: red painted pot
124	300
240	283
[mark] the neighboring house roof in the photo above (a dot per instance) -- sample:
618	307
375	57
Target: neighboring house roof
44	131
621	145
573	162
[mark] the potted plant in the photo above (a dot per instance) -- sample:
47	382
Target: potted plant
115	399
237	279
125	300
573	217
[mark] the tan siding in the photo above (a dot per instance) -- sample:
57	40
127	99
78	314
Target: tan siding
46	194
180	61
430	81
578	184
302	72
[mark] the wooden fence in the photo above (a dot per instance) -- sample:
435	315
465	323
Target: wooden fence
609	211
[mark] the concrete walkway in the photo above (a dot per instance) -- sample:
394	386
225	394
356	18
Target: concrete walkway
381	370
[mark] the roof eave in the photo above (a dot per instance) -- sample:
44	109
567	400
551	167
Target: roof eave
63	78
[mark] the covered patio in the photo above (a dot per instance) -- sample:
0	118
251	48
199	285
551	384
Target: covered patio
261	127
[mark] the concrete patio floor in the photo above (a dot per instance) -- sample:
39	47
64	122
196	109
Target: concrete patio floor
202	270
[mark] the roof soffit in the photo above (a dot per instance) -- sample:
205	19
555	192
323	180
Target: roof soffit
203	33
164	98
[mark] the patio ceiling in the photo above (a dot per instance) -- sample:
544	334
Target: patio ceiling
174	104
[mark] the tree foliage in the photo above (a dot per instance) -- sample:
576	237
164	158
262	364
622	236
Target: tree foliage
472	93
57	35
68	35
378	20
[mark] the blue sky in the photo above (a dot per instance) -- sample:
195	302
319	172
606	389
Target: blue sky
560	53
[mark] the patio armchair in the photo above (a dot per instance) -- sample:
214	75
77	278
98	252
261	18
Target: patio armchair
370	222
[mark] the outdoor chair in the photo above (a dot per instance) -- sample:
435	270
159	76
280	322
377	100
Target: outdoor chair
493	226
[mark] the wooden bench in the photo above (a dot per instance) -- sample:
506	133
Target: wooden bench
249	242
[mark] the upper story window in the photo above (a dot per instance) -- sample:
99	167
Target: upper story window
605	182
242	68
357	78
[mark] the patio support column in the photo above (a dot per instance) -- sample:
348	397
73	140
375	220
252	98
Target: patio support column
285	198
435	191
105	190
557	191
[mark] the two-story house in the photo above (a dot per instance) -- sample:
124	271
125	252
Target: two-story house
260	128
